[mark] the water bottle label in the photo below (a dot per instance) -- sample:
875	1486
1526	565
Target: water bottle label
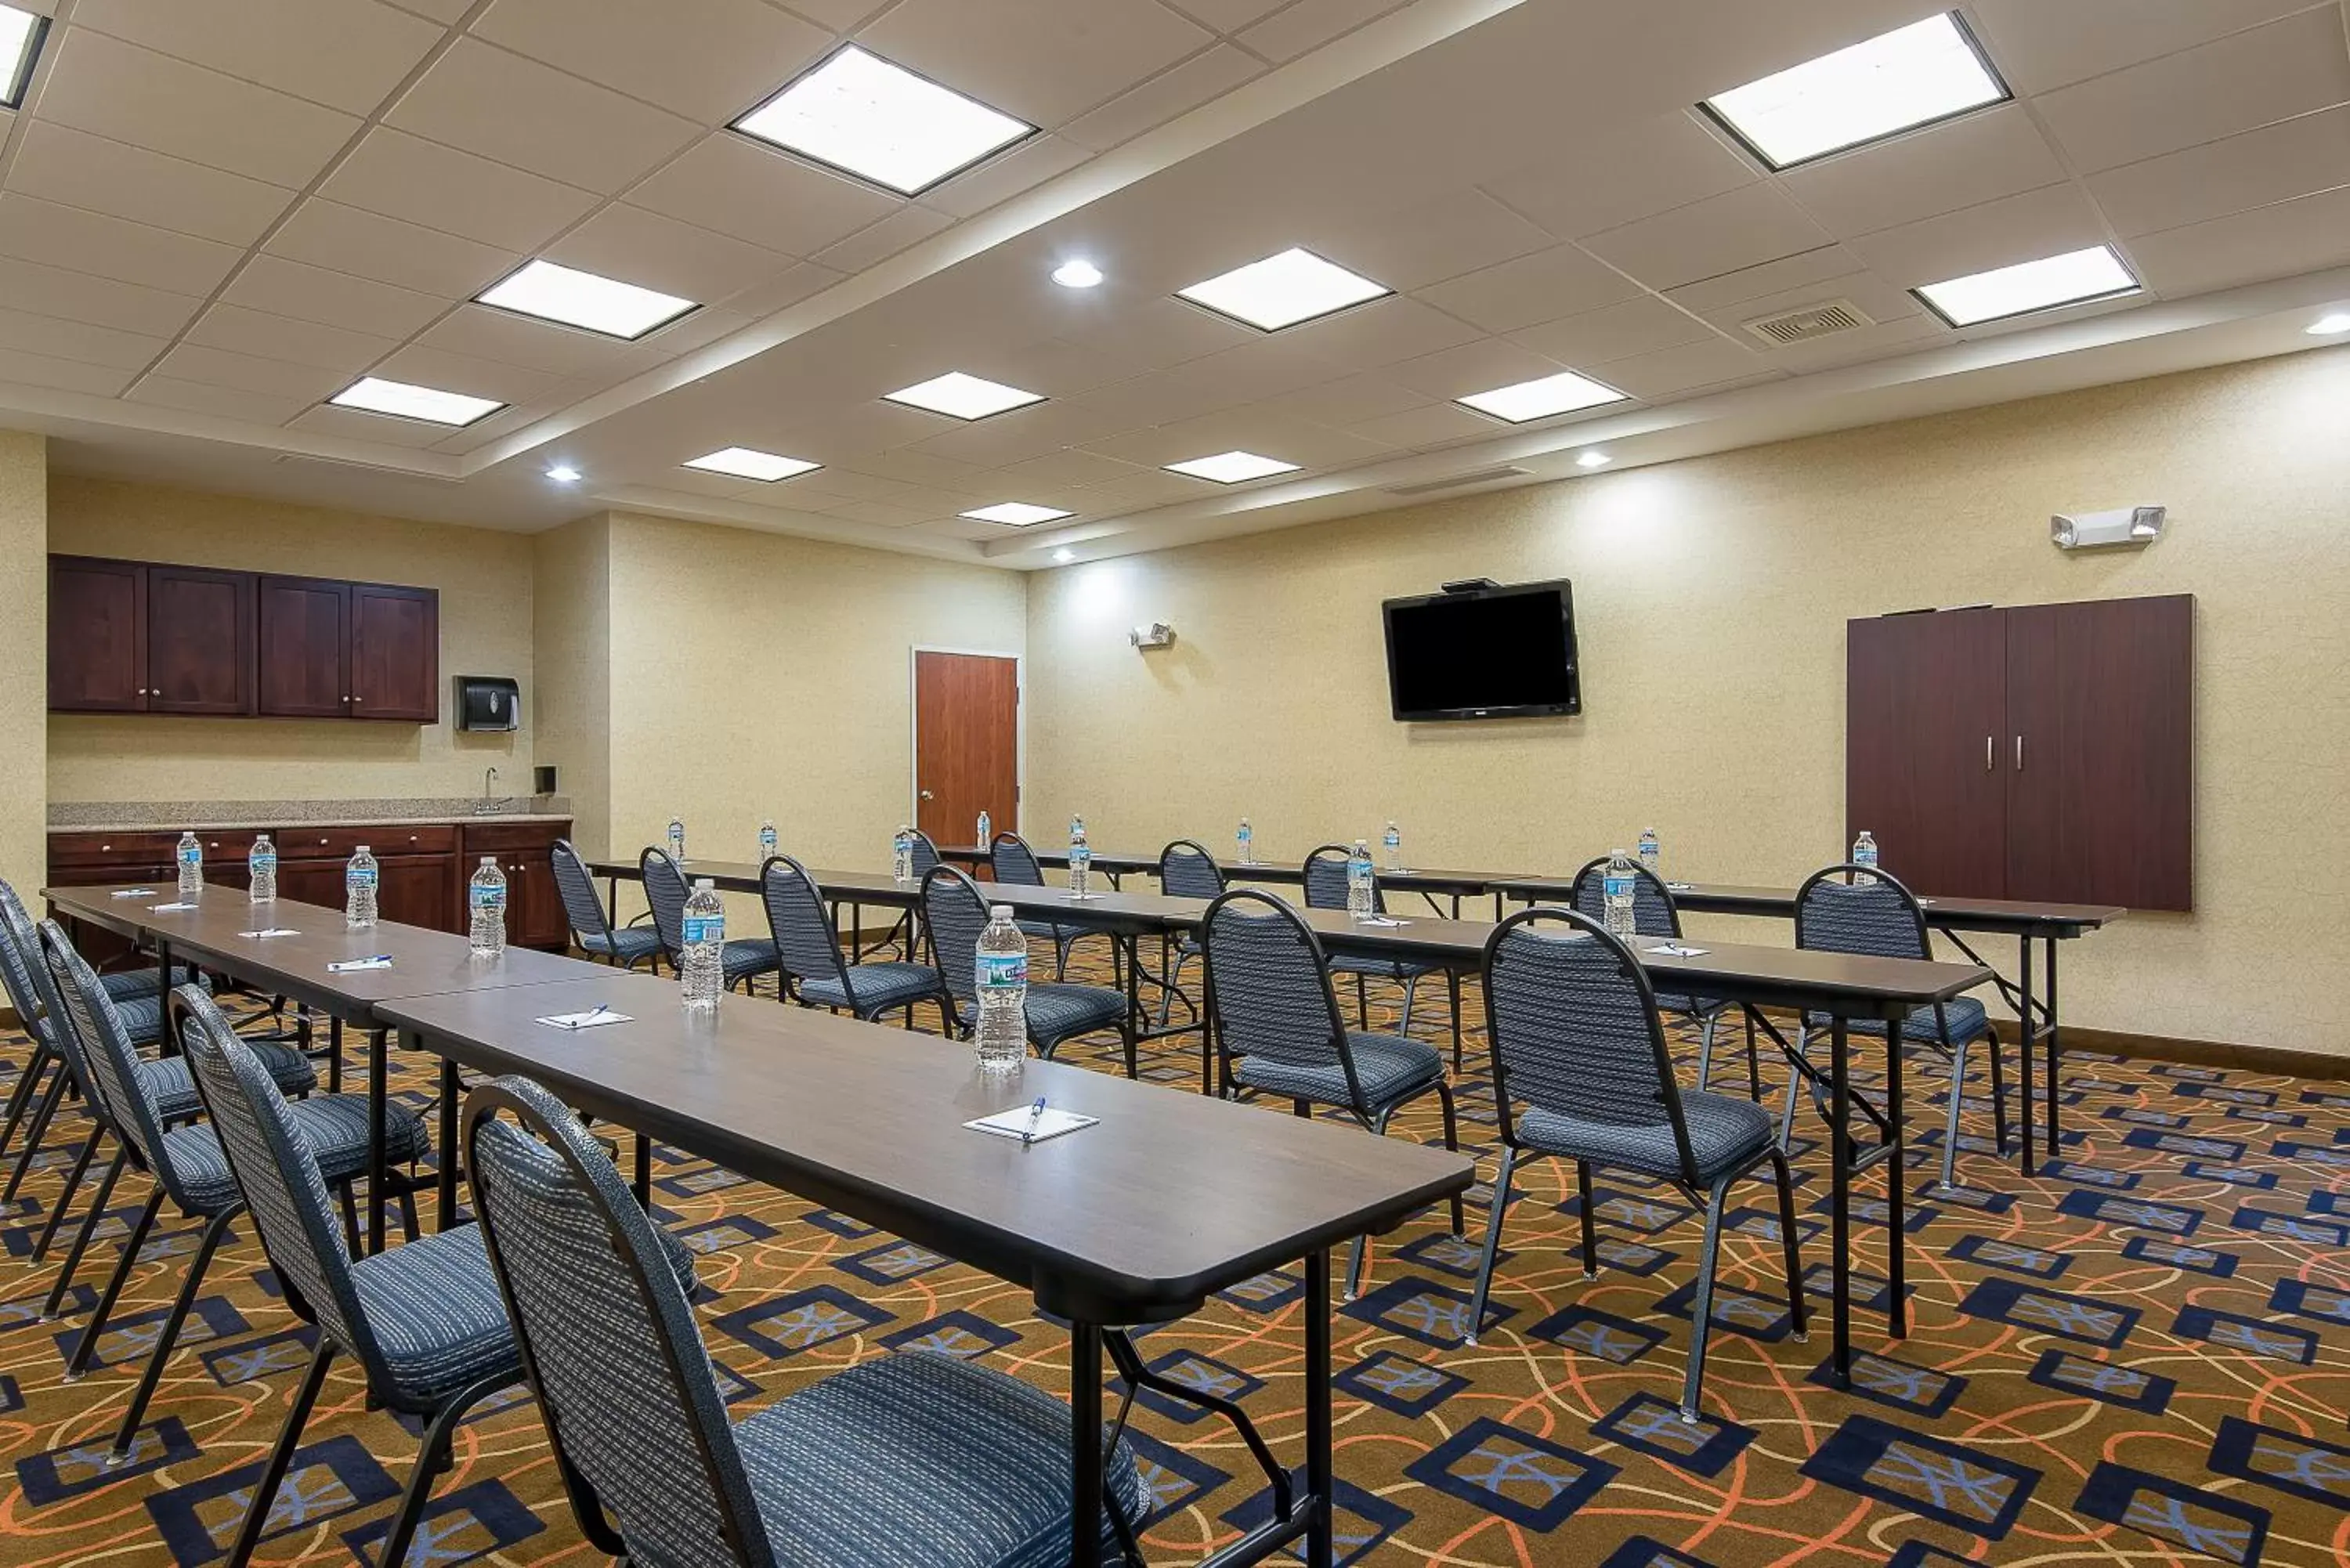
1619	887
359	877
700	928
192	855
483	898
1864	855
1003	972
265	862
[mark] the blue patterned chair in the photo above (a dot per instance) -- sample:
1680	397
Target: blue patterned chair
914	1461
592	930
1656	913
1278	1030
1579	1045
1011	862
742	961
905	937
814	972
955	910
1853	908
1324	874
1186	870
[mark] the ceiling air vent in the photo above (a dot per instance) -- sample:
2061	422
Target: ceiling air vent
1812	321
1481	477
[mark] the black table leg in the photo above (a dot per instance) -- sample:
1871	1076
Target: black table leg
379	1168
1453	985
1840	1197
449	1088
644	1177
1085	1445
170	1043
1897	1177
2055	1048
1318	1479
2028	1026
334	1055
612	904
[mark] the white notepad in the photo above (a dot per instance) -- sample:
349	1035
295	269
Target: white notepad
271	932
132	893
166	909
345	966
594	1018
1679	887
1013	1123
1381	921
1083	895
1675	950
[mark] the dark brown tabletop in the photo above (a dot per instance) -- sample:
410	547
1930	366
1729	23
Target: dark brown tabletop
1170	1198
2006	915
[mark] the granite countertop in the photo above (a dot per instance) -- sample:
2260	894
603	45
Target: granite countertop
240	815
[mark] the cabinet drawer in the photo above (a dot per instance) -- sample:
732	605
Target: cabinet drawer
338	843
494	837
94	850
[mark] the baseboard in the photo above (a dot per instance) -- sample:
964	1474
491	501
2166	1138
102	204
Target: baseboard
2209	1053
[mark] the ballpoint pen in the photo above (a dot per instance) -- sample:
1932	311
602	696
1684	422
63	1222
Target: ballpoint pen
1036	1114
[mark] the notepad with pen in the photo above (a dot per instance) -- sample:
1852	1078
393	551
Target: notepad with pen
1013	1123
595	1017
347	966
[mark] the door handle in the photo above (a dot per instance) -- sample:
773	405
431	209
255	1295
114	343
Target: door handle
2019	753
928	795
1987	754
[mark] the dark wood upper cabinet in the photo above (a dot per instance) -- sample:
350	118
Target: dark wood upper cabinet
305	647
200	632
395	657
1925	696
97	635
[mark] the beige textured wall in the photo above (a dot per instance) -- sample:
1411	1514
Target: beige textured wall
571	713
23	653
484	578
1712	595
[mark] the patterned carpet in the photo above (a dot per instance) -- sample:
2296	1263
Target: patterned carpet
2122	1361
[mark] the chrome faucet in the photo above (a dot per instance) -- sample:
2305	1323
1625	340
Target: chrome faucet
489	777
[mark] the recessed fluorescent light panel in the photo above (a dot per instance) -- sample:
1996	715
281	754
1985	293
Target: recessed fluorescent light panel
742	463
962	397
1232	467
1539	400
374	395
20	45
1283	290
2075	278
858	113
1594	459
2329	326
576	298
1018	513
1928	71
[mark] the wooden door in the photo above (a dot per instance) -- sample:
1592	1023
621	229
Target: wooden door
1925	704
98	635
319	882
535	916
395	653
305	641
418	890
199	640
966	744
2099	753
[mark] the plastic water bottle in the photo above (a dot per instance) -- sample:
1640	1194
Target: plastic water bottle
1652	850
703	965
191	856
1003	985
901	855
1081	859
1617	884
1864	853
1362	882
677	839
986	831
1247	839
487	898
766	840
261	870
359	889
1393	840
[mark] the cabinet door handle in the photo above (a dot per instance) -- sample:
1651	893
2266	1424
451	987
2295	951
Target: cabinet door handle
2019	753
1987	754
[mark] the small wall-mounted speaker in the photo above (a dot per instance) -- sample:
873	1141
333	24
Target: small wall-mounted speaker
543	779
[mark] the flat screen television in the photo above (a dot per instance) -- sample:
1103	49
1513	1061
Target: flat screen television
1483	652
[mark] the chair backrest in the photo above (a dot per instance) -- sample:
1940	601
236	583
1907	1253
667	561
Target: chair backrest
581	907
1325	879
955	912
278	1172
109	1064
1574	1027
22	973
805	935
1268	986
1014	862
665	891
1186	870
1881	919
608	1340
926	853
1654	911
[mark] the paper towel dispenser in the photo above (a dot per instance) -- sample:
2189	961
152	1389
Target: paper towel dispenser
488	702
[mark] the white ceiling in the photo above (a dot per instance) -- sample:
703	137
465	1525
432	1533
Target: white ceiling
215	213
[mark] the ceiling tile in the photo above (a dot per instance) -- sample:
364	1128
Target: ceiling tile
332	298
1872	296
1707	294
1737	229
358	426
736	187
270	378
2039	45
1474	368
423	366
2252	79
1041	60
1665	161
1310	23
1412	247
711	60
1151	487
115	90
1310	446
2296	158
654	252
349	53
1349	401
1978	159
1544	287
839	16
1380	333
502	105
37	231
446	12
419	181
330	234
223	403
881	513
1229	16
1071	466
1005	176
60	164
910	467
482	333
837	482
1918	330
1254	371
61	375
58	339
879	242
78	297
1024	433
1671	372
2044	222
269	336
1613	331
798	281
1435	424
1142	333
2301	235
1206	76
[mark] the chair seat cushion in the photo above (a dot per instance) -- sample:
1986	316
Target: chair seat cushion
1380	968
920	1460
1058	1011
1967	1019
1387	1066
628	944
876	987
747	956
1724	1134
1691	1006
142	1015
334	1126
129	982
435	1311
174	1092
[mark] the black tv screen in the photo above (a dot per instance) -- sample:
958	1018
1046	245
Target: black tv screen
1484	653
